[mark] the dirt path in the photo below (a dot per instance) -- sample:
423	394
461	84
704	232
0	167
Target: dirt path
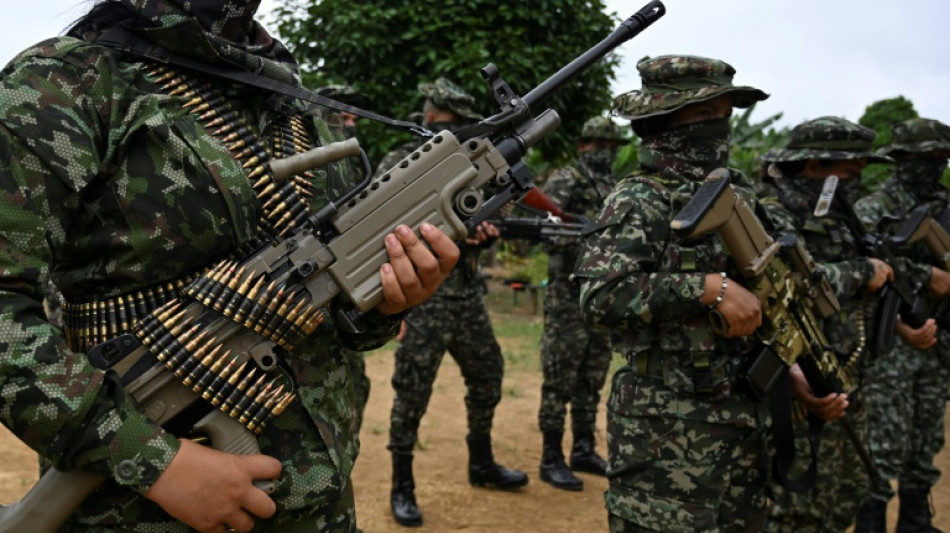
445	497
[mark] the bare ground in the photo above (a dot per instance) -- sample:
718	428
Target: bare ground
448	502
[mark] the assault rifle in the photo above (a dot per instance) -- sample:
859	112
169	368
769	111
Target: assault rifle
253	311
537	229
794	296
898	299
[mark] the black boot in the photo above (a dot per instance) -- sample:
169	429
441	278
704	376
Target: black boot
915	515
872	517
553	469
402	499
583	456
483	470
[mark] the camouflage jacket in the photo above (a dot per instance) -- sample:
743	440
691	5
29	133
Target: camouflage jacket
108	186
574	189
638	277
837	251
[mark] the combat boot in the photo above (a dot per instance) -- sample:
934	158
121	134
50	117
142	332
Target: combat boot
583	456
553	469
402	499
872	517
915	515
483	470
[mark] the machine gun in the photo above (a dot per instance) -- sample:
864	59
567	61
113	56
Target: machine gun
198	362
898	299
794	296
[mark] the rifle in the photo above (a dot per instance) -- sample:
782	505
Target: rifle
537	229
793	293
259	307
898	299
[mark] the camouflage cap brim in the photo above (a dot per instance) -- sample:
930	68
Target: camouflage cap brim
786	155
636	105
620	142
896	150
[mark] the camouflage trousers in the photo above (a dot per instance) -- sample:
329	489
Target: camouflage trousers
906	392
575	358
677	465
461	327
841	485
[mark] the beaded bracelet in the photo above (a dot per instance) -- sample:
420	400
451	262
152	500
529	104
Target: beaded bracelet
722	291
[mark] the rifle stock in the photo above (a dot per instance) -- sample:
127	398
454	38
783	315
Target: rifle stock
920	226
339	252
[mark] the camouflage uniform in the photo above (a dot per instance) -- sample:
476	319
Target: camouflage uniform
574	356
686	447
906	389
110	186
841	482
456	320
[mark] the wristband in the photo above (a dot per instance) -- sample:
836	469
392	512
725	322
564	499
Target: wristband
722	292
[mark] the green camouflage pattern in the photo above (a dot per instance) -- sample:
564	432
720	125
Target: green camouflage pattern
670	82
110	186
906	389
574	355
918	136
841	482
602	129
346	94
827	138
456	322
686	451
446	95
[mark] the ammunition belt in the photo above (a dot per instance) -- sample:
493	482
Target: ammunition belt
91	323
283	315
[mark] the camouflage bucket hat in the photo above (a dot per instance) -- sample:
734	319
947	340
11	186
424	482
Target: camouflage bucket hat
829	139
346	94
447	95
674	81
602	128
918	136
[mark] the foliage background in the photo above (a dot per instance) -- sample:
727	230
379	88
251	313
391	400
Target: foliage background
385	48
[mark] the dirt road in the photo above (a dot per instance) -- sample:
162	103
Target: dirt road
445	497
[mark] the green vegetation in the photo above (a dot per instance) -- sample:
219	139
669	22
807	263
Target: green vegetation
385	48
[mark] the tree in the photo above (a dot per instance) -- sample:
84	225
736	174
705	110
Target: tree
880	116
385	48
751	140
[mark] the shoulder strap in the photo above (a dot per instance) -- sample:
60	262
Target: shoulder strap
128	42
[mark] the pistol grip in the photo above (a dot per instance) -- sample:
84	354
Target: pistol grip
229	435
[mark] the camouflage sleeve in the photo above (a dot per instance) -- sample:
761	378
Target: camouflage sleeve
620	284
558	187
50	397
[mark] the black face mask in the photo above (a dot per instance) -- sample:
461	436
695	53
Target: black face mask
600	161
920	175
850	187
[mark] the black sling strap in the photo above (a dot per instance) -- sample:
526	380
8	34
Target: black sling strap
128	42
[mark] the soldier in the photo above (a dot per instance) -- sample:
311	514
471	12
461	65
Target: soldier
906	389
120	183
821	155
454	320
686	447
574	355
